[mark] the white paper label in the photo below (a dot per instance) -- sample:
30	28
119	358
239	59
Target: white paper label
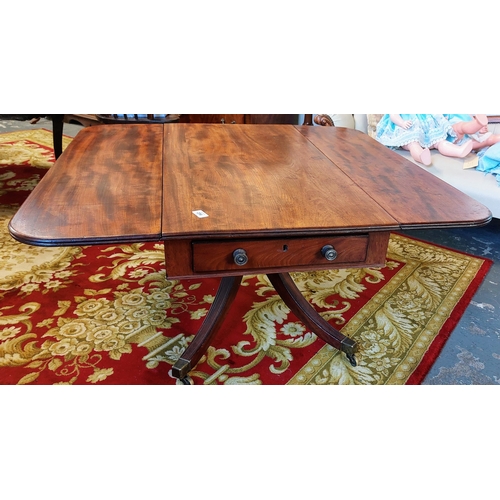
200	214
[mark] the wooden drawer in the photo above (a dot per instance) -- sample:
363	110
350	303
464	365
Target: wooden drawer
257	254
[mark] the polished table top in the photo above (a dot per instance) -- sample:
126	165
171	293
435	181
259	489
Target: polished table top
128	183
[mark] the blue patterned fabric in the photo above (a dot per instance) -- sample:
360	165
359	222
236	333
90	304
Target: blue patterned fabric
489	161
140	116
454	118
427	130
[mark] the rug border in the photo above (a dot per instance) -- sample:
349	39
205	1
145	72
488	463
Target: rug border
437	345
66	138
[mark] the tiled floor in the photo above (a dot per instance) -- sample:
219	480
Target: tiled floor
472	353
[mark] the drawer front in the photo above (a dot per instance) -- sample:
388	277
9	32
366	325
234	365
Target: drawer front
256	254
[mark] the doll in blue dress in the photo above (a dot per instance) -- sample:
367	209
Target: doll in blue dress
420	133
474	127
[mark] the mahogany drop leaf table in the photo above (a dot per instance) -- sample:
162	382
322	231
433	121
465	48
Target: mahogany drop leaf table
230	200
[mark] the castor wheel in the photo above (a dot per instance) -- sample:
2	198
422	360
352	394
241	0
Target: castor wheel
187	380
351	359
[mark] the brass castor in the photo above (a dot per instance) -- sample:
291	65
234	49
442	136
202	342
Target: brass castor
187	380
351	359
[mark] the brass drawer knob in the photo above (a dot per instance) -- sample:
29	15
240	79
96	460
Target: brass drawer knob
240	257
328	252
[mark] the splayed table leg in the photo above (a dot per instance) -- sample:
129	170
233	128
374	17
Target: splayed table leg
294	299
223	299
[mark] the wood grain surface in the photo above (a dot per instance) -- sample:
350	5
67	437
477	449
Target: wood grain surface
106	187
285	252
129	183
414	197
258	180
186	257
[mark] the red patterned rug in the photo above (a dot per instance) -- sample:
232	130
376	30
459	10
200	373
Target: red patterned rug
108	314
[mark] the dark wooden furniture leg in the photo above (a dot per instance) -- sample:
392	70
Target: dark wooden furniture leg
57	133
225	295
294	299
